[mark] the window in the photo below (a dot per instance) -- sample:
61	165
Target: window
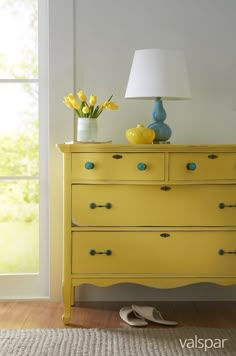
20	176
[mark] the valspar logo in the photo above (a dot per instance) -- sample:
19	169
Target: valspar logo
200	343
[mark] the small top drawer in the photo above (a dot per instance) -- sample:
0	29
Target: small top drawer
117	166
202	166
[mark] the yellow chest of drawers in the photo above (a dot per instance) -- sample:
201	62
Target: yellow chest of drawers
157	215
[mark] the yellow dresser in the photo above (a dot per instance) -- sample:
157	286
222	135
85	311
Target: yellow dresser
158	215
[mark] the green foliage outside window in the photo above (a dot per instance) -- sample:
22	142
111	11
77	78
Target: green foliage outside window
19	157
19	150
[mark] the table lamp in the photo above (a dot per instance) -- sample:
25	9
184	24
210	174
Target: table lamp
159	75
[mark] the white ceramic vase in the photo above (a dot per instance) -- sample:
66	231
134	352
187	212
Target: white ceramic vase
86	129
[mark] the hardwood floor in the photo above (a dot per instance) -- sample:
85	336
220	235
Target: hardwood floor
23	315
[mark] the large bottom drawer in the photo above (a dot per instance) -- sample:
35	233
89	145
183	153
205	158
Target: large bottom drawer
185	253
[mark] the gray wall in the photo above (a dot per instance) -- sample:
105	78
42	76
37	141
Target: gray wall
107	32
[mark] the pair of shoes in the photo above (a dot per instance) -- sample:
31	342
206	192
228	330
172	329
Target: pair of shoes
129	316
152	314
137	316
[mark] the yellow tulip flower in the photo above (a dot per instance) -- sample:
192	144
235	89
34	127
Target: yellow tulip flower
112	106
67	102
73	101
103	105
92	100
85	110
81	96
109	105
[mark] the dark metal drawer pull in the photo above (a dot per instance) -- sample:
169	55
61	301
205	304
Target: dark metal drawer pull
94	205
223	205
117	156
165	188
93	252
212	156
221	252
164	234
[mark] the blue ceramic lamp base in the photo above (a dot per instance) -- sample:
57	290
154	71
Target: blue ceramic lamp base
158	115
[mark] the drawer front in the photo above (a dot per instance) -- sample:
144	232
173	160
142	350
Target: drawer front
202	166
185	253
152	205
117	166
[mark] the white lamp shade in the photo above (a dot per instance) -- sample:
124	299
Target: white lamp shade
158	73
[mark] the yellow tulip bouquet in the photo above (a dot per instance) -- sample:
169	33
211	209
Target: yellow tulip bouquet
88	109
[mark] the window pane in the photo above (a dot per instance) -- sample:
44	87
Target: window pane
19	226
19	129
18	39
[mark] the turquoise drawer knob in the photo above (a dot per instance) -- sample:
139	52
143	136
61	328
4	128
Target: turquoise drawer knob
93	252
89	165
141	166
191	166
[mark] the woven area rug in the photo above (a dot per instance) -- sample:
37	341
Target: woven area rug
118	342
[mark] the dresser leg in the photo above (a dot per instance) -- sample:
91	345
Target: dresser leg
67	312
72	296
66	318
67	289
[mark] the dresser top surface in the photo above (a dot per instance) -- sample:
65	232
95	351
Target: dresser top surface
151	148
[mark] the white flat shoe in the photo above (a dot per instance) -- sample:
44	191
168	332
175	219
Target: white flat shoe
128	315
152	314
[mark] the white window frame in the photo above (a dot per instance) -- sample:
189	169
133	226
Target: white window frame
61	81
